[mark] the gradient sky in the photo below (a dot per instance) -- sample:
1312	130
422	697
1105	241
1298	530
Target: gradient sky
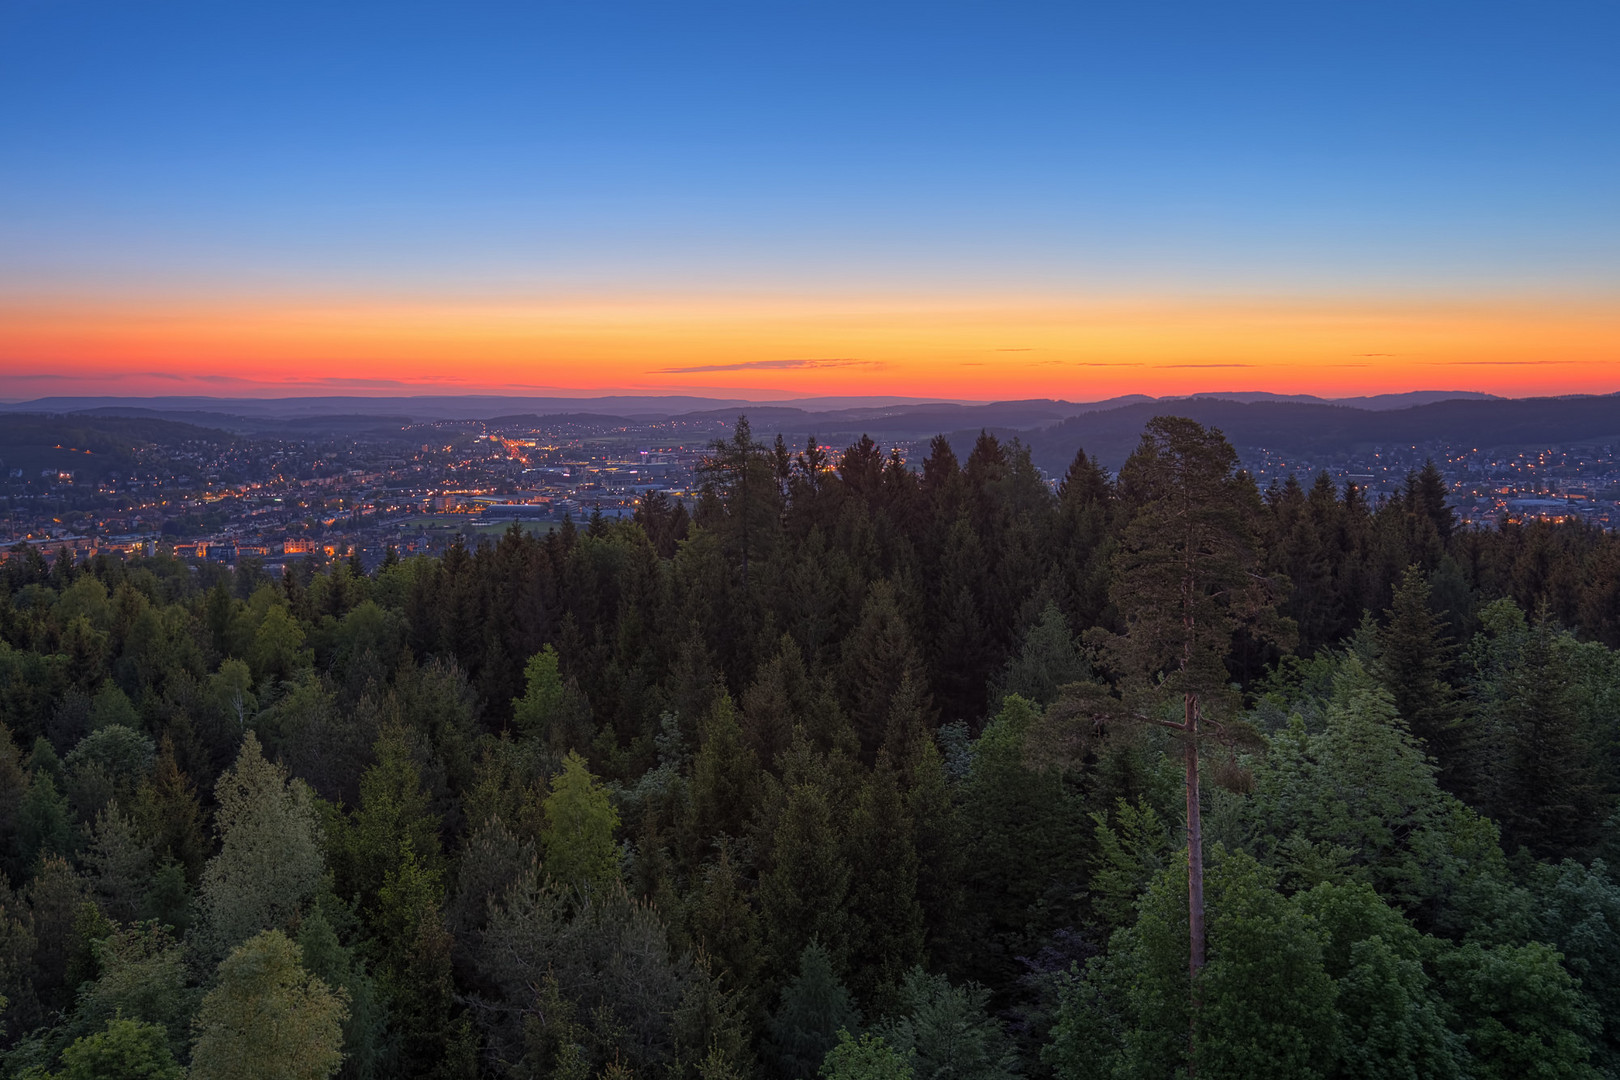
990	200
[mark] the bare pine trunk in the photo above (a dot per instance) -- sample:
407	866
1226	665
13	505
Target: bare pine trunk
1195	844
1195	874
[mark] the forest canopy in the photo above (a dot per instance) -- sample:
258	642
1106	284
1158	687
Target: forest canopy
854	767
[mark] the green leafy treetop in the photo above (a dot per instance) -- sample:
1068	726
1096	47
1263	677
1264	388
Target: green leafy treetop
268	1018
550	709
578	834
269	862
123	1050
866	1058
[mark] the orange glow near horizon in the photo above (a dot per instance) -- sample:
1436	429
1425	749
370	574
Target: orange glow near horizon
980	350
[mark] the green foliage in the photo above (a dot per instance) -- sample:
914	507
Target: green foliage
142	975
1519	1010
1578	910
123	1050
365	1028
554	1043
886	929
1127	1014
278	651
1026	856
726	778
109	763
16	959
1360	801
13	787
946	1033
878	657
394	819
1266	1001
111	706
578	834
814	1009
56	901
44	823
610	957
1048	660
167	815
269	863
306	729
741	498
724	924
866	1058
268	1018
1536	748
550	709
1183	575
119	864
1414	658
230	695
803	894
1129	855
760	690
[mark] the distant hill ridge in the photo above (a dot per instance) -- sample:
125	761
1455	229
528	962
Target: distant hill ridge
1294	427
1026	412
1054	430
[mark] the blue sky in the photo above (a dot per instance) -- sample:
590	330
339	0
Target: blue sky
993	145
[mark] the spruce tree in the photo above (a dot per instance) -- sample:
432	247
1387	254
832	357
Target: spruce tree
1415	658
814	1008
741	498
877	658
119	864
1547	793
725	926
886	921
803	892
1049	659
946	1032
578	835
167	814
726	777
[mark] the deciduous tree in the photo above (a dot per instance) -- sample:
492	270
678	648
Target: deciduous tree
267	1018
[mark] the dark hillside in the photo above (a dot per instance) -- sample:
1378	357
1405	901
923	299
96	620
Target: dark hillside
91	446
1110	436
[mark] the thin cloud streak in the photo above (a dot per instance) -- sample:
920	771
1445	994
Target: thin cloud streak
1500	363
771	365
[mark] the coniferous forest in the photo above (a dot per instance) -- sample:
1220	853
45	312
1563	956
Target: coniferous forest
853	767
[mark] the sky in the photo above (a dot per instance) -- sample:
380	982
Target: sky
975	201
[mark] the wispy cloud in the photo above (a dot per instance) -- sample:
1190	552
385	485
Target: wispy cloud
342	380
1497	363
1087	363
771	365
1206	365
1015	350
